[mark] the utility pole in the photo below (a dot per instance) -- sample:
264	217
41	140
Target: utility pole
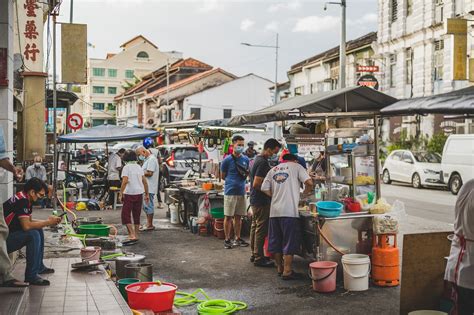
55	102
342	45
342	50
275	96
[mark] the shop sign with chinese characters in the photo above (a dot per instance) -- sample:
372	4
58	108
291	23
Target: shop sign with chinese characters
30	22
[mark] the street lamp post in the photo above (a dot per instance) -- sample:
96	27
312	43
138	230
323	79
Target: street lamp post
342	45
276	47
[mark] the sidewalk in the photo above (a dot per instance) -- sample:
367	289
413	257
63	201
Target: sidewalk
70	292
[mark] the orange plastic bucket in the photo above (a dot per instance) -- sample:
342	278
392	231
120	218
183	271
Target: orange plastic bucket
323	274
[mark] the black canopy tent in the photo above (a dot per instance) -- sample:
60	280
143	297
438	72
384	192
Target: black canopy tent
459	102
107	133
348	100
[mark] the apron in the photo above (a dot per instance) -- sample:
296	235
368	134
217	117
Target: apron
454	294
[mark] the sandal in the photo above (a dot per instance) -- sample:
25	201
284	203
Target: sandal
14	284
40	282
292	276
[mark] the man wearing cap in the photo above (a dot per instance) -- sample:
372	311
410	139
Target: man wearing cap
282	184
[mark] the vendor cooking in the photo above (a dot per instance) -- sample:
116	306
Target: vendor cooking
318	169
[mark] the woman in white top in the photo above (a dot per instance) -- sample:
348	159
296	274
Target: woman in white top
132	193
460	267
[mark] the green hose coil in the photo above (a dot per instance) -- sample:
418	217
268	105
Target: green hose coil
208	306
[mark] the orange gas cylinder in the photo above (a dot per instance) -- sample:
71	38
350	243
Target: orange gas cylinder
385	261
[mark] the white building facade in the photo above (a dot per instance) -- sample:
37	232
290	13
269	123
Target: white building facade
417	53
321	72
237	97
106	78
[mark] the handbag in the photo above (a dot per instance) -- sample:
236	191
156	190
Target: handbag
242	170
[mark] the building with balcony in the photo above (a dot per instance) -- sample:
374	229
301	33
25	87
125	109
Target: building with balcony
107	78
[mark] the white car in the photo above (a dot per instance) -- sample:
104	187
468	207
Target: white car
417	168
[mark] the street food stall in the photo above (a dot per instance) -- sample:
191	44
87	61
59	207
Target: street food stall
202	187
344	124
101	134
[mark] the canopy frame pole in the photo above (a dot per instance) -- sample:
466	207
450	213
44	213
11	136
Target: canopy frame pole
376	162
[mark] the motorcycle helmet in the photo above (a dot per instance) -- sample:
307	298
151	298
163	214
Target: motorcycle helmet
81	206
147	142
93	205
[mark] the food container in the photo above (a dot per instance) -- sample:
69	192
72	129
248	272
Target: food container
207	186
120	263
329	209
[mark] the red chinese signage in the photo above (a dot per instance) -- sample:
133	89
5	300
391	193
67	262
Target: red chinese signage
30	21
367	68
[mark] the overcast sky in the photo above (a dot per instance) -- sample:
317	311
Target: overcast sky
212	30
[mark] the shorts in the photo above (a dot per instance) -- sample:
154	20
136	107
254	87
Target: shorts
149	208
284	236
235	205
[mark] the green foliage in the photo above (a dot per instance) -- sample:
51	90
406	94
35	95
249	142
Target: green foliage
436	143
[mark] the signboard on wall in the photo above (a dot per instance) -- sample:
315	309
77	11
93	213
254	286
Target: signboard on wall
458	28
368	69
74	53
30	32
368	80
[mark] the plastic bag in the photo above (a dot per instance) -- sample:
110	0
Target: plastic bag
398	211
385	224
204	207
381	207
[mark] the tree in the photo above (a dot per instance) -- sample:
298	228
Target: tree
436	143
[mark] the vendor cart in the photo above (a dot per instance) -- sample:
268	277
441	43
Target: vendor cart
341	117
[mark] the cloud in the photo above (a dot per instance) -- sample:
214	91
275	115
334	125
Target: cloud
208	5
289	5
367	18
246	25
316	24
272	26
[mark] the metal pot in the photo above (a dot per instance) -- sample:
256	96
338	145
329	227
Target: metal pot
171	192
120	263
143	272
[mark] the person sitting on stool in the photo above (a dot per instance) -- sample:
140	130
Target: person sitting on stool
24	231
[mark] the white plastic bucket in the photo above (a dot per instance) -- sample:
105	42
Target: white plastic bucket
356	272
174	219
427	312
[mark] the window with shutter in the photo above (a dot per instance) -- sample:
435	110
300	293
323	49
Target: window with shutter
438	60
394	8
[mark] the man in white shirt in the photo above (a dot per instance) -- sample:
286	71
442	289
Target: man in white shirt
283	183
36	169
460	266
151	169
114	166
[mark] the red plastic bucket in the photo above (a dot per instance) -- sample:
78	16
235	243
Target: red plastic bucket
323	274
151	296
219	228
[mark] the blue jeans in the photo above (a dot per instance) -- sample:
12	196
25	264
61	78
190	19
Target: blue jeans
34	242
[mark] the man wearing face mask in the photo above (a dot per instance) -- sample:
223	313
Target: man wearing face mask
234	171
36	170
24	231
260	202
151	170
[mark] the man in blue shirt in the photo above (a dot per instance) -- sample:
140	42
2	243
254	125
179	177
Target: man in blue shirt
234	171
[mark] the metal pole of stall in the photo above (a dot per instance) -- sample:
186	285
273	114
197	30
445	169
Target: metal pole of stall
376	156
55	100
342	47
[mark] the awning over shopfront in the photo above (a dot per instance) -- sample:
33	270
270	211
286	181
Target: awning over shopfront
211	124
458	102
107	133
351	99
64	99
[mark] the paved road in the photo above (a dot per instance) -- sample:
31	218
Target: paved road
433	204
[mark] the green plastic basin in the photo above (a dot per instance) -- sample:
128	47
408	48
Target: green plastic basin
217	213
94	229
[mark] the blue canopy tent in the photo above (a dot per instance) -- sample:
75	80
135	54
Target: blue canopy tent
107	133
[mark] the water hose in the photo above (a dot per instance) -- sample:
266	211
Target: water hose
328	241
208	306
